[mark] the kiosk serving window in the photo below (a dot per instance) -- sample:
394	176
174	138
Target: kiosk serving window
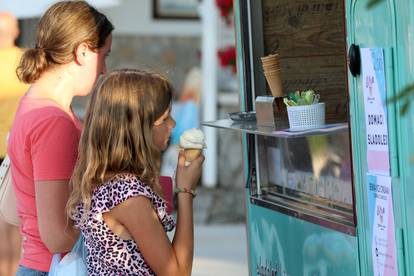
308	176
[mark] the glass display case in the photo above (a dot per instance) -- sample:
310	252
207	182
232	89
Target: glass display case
308	177
305	174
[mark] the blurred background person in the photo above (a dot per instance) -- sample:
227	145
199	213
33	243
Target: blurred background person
11	90
186	113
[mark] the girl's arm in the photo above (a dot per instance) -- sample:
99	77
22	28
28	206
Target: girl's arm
56	230
139	217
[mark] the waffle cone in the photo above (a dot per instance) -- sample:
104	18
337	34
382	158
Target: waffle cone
191	154
275	84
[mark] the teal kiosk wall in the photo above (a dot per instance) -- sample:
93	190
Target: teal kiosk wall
388	25
307	208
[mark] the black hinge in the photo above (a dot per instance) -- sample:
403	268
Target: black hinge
354	59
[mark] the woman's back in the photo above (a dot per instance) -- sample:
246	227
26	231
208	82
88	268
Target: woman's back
43	132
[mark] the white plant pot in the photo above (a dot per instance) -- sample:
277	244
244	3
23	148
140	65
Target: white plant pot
306	116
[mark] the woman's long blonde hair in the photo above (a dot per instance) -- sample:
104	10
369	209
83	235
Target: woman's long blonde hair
117	135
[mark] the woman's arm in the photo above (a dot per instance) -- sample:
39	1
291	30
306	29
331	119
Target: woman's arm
56	230
53	152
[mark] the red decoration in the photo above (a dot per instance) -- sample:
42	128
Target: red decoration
225	7
227	57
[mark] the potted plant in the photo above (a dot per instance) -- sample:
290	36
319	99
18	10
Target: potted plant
304	110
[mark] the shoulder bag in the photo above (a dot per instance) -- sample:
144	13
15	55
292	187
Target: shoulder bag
73	263
7	196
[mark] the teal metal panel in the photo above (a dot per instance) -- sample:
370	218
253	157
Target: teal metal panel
289	246
239	51
242	92
405	129
377	27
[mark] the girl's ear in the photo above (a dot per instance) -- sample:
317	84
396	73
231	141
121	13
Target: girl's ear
164	116
81	53
159	121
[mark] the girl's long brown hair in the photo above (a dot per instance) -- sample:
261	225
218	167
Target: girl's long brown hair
117	135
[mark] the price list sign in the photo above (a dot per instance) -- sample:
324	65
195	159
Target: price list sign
373	81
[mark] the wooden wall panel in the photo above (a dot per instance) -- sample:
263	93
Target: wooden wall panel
309	36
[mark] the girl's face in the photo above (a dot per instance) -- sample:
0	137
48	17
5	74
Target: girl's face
162	129
95	65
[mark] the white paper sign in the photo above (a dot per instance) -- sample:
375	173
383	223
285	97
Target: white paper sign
373	78
381	220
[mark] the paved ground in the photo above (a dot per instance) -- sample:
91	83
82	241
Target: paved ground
220	250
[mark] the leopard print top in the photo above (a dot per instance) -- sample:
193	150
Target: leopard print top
108	254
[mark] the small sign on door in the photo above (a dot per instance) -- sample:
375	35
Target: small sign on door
373	82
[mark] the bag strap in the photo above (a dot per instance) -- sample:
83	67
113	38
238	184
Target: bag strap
5	165
4	168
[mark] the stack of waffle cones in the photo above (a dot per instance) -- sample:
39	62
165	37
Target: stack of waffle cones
271	69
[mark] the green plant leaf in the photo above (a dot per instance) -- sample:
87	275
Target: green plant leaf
405	107
403	93
373	3
404	96
292	96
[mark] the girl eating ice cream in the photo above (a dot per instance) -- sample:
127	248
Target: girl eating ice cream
117	201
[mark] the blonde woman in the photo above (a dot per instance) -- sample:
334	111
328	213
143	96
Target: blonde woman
72	42
116	198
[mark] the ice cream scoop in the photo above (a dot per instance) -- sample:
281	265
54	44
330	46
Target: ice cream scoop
192	142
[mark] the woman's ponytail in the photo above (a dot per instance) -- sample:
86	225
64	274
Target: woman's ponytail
32	64
63	27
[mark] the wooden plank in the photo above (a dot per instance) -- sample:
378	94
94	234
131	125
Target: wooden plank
309	36
304	27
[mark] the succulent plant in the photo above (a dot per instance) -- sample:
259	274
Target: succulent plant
301	98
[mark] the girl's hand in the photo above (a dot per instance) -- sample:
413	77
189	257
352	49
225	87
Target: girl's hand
188	176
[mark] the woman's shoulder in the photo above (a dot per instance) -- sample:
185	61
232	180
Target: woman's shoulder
46	125
35	113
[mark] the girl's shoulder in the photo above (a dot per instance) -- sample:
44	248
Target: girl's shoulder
125	182
120	188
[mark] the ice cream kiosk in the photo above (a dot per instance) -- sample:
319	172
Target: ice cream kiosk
333	199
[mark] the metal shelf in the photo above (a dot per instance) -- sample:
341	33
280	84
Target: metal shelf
252	128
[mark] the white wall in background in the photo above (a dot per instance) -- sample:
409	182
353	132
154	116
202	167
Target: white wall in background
136	17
